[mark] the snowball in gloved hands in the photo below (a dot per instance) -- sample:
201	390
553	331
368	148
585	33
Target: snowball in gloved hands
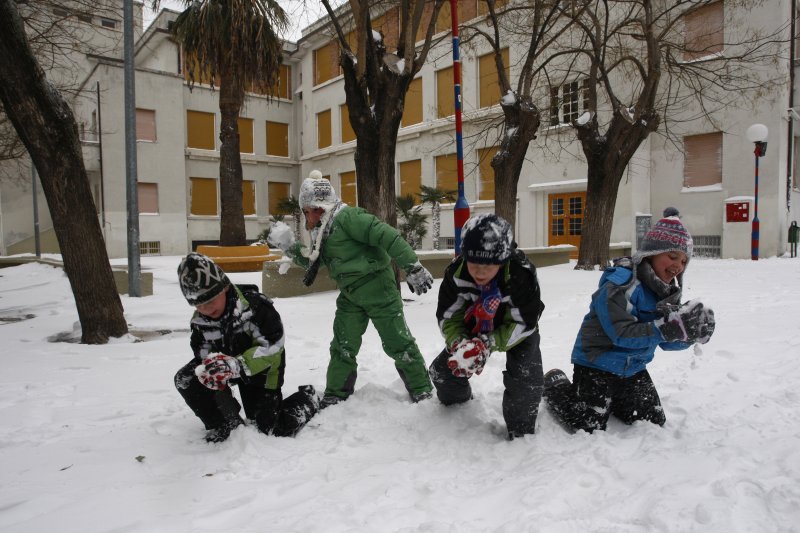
419	279
281	236
691	322
468	357
217	370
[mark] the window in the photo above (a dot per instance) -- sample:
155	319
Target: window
412	111
108	23
277	139
245	135
200	130
248	197
705	31
198	73
389	25
283	88
147	197
277	192
347	129
795	166
483	8
445	96
203	195
447	172
145	125
411	178
150	247
703	163
326	63
489	83
324	129
568	101
347	184
60	12
486	180
467	10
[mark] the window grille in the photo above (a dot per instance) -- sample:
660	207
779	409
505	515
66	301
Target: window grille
707	245
150	247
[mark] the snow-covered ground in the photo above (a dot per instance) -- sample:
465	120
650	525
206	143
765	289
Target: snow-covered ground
96	439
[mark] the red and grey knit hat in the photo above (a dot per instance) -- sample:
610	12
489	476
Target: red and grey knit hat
666	235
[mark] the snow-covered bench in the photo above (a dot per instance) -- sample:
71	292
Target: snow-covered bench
239	258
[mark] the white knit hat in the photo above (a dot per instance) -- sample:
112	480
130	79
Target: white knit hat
316	191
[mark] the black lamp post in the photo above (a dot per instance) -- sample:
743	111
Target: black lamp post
756	134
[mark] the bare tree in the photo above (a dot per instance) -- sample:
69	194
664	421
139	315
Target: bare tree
642	70
532	27
376	81
47	128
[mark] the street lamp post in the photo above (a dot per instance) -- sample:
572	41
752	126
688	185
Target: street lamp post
756	134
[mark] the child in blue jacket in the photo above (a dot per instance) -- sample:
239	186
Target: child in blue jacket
636	309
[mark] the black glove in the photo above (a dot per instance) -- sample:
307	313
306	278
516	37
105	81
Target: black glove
419	279
691	322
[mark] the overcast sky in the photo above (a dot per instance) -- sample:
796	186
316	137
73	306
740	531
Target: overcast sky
301	13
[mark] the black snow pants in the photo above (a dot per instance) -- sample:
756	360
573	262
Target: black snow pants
595	395
522	379
283	417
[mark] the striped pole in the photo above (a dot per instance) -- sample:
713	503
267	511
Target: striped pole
461	210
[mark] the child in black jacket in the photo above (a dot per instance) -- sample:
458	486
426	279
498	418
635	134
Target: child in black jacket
489	301
237	339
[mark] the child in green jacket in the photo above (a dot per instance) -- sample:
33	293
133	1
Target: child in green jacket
357	249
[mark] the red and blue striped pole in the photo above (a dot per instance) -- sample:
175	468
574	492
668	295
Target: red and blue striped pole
461	210
757	134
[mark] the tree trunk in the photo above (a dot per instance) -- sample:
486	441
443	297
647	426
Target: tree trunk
598	217
47	127
375	124
231	220
521	123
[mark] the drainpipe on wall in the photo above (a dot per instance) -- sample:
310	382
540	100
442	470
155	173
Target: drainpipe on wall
100	147
789	167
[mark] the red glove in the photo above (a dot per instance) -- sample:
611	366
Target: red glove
484	309
468	357
217	370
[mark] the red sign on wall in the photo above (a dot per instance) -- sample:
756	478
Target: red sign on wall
737	212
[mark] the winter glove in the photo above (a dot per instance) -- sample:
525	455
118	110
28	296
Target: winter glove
468	356
484	309
419	279
707	328
217	370
691	322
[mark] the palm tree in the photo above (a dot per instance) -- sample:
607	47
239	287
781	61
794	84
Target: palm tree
435	196
233	43
413	228
291	206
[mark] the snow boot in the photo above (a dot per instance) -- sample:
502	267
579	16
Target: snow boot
221	433
417	397
554	378
330	399
297	410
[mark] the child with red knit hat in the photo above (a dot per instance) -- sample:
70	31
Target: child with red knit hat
636	309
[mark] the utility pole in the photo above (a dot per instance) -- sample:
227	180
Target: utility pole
130	153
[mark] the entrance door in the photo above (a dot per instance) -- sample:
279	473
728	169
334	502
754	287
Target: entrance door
565	219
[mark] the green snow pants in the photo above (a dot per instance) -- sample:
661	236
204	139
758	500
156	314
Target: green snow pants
375	298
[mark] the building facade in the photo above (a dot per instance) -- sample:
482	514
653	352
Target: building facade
705	167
